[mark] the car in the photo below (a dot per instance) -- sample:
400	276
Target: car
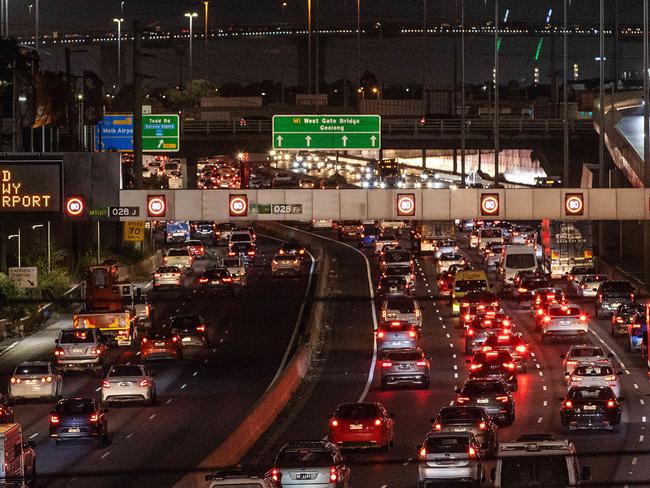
362	425
396	257
369	235
204	231
625	315
35	379
516	259
594	374
350	229
473	239
564	320
575	275
393	286
215	281
310	464
589	284
470	287
196	248
164	276
468	419
180	257
446	282
635	332
238	479
386	241
486	311
523	234
80	349
445	246
78	418
482	299
583	354
488	235
524	292
408	366
491	394
294	249
519	276
128	383
484	325
396	334
494	364
285	265
449	259
305	183
245	250
591	407
542	297
402	308
402	269
239	235
611	294
493	255
236	266
450	457
161	344
193	329
222	232
514	343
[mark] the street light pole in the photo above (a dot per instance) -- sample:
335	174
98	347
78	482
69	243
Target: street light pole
359	42
646	102
565	69
496	92
601	139
49	254
424	61
14	236
191	16
462	90
119	49
309	47
36	24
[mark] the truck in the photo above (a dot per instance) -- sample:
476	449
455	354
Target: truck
177	231
18	466
117	327
426	234
565	245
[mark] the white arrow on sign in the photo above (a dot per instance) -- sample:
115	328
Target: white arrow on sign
345	141
373	140
160	143
279	139
308	140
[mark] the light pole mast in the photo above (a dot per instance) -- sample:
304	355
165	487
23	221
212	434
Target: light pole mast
496	92
565	114
462	91
191	16
119	49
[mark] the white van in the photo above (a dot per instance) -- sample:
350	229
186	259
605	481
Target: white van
488	235
515	258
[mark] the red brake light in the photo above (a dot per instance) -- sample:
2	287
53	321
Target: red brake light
46	379
482	426
276	474
547	318
93	417
227	279
380	334
200	328
203	280
540	311
486	348
423	452
470	332
471	452
175	339
509	365
14	380
468	317
377	422
462	399
421	363
568	404
333	476
106	384
54	419
583	318
503	399
503	337
437	426
412	334
520	349
610	403
386	364
522	290
144	340
334	423
58	351
474	367
156	275
144	382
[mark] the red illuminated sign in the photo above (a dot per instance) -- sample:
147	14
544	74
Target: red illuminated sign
156	205
238	206
574	204
489	204
74	206
406	204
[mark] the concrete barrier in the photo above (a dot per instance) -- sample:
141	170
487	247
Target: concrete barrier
616	273
141	268
273	401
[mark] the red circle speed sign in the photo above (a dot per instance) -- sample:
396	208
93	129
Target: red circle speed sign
574	204
74	206
406	205
238	206
156	206
489	204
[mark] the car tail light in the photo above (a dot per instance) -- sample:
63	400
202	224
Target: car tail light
200	328
547	318
583	317
506	323
378	422
165	259
571	277
437	426
632	296
380	334
93	417
156	275
251	253
175	339
520	349
611	404
464	304
474	367
276	474
577	379
462	399
472	452
600	297
503	337
54	419
441	283
46	379
14	380
333	476
203	280
231	253
412	334
522	290
486	348
470	332
619	320
503	398
417	313
96	351
334	423
59	351
201	249
144	340
538	300
571	362
509	365
467	317
106	384
227	279
421	363
568	404
540	311
482	426
386	364
610	378
144	382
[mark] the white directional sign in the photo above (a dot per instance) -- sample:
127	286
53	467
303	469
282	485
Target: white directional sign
26	277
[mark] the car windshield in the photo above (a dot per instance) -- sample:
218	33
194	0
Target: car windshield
304	458
564	311
240	237
490	233
456	444
167	269
159	335
357	411
594	278
450	256
403	305
216	273
520	261
194	243
178	252
393	281
469	285
475	388
75	407
398	269
616	287
585	352
404	356
126	370
397	256
187	321
32	369
591	394
231	263
593	370
76	337
461	414
527	471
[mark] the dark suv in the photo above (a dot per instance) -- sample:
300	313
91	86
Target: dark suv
494	364
76	418
611	295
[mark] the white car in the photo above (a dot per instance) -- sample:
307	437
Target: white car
128	383
493	255
402	308
35	379
564	321
595	374
589	284
449	259
386	241
583	354
168	276
445	246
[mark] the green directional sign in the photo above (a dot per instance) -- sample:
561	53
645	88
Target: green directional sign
328	132
160	133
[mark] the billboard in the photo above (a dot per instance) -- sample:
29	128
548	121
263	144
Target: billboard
30	186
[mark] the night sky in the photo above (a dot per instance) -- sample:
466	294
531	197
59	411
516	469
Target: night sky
84	15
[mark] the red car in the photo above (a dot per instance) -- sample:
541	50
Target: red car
356	425
446	284
161	344
196	248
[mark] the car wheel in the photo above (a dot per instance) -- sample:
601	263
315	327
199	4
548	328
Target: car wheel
32	477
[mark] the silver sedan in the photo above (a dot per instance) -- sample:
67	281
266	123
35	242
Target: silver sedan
35	379
128	383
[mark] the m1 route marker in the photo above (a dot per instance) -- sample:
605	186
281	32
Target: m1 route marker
326	132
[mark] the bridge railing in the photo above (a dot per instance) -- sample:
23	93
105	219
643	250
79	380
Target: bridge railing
406	126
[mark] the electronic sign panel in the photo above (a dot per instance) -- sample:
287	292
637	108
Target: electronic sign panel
30	186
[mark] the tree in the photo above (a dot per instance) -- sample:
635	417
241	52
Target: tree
189	95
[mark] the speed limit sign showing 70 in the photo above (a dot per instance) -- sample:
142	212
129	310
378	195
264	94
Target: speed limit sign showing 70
134	231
